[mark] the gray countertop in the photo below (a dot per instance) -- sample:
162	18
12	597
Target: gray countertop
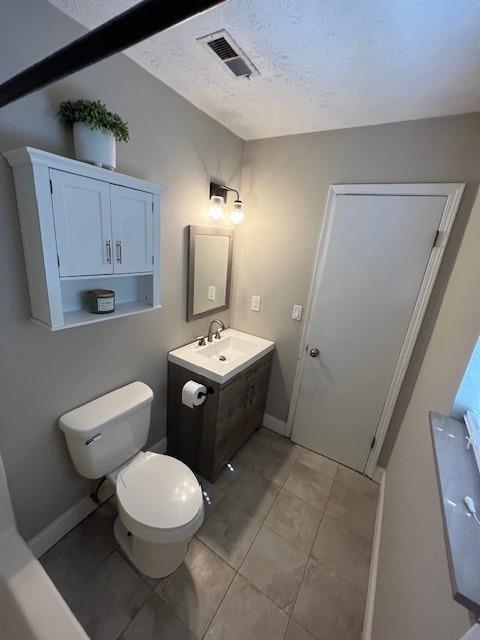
458	476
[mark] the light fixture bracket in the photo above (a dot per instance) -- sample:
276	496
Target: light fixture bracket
221	190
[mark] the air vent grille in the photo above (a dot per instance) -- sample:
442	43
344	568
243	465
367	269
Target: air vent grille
223	46
223	50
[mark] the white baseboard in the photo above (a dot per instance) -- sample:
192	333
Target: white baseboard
274	424
159	447
65	522
69	519
372	578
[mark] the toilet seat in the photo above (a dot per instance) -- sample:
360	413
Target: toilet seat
159	498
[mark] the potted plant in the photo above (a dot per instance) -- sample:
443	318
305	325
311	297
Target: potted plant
95	131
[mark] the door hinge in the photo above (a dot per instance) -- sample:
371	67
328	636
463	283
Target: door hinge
153	259
51	187
373	442
436	240
58	260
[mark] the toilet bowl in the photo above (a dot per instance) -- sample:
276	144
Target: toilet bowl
160	508
159	499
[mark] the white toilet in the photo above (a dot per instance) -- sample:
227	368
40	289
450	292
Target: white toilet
160	501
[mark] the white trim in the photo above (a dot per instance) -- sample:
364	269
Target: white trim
65	522
274	424
453	193
372	578
158	447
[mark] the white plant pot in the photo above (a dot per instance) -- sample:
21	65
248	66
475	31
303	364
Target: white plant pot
96	146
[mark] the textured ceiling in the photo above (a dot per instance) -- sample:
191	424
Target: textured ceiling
324	64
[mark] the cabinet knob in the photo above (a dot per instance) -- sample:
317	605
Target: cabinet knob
314	352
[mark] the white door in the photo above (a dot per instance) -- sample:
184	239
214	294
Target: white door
372	266
81	211
132	224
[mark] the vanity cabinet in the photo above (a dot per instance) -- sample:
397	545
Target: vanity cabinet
207	437
84	228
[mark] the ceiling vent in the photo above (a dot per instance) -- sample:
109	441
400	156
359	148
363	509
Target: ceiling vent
224	48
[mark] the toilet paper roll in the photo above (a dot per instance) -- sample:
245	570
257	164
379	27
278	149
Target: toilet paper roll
193	394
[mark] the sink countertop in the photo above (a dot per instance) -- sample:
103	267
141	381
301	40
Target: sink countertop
220	360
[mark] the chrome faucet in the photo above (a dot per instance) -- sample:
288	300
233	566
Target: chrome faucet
217	332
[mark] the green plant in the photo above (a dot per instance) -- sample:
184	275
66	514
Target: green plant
96	115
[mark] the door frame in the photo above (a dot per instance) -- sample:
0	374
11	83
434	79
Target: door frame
452	191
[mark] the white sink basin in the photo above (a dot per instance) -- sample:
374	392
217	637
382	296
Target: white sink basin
222	359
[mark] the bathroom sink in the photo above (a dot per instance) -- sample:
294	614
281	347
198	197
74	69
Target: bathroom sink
222	359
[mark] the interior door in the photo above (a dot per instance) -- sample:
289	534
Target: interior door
132	223
373	268
81	211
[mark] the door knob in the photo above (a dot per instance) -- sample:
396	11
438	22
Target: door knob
314	352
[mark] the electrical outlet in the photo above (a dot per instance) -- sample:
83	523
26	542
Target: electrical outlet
255	305
297	312
212	292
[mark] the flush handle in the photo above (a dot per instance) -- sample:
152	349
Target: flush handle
314	352
93	439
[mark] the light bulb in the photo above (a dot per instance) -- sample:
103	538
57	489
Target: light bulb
237	215
216	211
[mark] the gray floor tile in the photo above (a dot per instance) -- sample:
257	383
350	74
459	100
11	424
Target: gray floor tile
218	489
156	621
355	509
275	567
76	556
246	613
328	607
253	493
308	484
294	519
319	463
104	517
108	601
345	552
196	589
356	482
296	632
274	462
230	531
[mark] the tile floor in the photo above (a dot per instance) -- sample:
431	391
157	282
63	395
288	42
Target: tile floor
283	554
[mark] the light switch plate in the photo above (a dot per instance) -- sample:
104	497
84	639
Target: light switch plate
297	312
212	292
255	305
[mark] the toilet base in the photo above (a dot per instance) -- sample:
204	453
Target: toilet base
152	559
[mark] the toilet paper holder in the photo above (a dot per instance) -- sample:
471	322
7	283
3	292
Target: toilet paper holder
208	392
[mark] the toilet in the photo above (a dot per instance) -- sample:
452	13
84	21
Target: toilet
160	502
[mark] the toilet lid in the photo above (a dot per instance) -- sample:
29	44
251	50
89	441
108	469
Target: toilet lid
159	491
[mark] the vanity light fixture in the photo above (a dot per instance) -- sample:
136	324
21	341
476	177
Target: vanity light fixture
218	198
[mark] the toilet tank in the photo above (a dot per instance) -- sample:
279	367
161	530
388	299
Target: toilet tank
104	433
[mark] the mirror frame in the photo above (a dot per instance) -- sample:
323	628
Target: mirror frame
193	231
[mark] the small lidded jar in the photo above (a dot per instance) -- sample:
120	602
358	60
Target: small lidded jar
100	301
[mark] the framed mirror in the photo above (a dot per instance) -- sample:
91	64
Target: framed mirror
209	270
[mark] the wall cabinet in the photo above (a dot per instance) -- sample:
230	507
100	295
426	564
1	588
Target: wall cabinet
206	438
85	228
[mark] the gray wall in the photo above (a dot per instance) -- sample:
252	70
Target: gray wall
45	374
285	183
414	597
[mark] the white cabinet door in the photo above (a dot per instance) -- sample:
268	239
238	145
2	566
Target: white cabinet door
81	211
132	225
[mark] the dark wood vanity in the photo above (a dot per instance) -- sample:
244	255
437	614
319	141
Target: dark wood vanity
207	437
